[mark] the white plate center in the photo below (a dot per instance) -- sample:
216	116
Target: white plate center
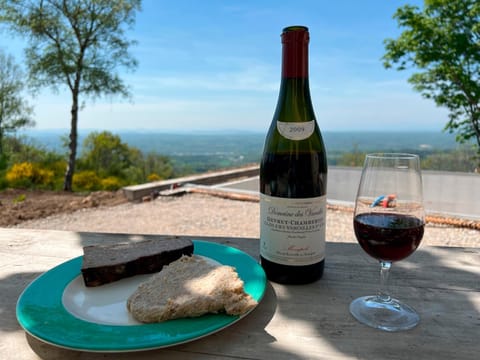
105	304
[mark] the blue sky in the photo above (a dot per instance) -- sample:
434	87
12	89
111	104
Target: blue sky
215	65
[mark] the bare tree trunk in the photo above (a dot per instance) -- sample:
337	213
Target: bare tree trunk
72	145
1	143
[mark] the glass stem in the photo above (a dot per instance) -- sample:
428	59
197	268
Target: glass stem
383	292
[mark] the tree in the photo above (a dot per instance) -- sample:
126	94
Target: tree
15	112
443	41
78	44
159	166
106	154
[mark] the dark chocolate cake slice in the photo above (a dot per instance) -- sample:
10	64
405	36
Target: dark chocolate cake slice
103	264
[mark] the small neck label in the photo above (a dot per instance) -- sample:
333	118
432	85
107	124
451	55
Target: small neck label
296	130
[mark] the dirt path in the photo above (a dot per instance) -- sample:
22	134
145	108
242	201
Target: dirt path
17	206
190	214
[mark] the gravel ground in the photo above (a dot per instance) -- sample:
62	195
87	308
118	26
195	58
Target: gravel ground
205	215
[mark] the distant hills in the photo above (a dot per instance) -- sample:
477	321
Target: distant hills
238	143
204	151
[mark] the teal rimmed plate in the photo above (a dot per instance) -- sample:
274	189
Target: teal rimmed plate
55	308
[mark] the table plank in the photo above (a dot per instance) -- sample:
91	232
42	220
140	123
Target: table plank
292	322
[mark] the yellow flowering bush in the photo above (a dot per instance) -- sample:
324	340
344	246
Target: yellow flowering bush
111	183
43	177
27	174
153	177
86	180
19	174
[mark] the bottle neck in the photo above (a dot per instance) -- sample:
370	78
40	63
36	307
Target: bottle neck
294	81
295	54
294	102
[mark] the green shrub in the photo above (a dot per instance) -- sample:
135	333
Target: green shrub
3	180
20	198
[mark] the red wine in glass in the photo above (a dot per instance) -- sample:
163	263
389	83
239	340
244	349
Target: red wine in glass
388	236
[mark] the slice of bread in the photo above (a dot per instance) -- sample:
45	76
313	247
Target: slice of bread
104	264
189	287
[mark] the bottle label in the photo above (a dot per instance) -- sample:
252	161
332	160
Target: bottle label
292	231
296	130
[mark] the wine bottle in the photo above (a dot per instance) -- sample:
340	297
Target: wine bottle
293	175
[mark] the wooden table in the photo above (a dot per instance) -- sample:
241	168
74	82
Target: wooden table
292	322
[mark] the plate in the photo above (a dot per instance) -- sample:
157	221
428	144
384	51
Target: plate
57	309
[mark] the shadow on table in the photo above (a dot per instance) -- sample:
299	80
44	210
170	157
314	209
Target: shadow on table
441	291
10	289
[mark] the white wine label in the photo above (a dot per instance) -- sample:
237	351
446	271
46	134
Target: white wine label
292	231
296	130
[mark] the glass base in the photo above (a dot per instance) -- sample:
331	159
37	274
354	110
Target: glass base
385	314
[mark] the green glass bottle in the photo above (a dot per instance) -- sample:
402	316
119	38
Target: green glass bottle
293	175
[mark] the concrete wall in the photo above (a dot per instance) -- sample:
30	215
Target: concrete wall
443	192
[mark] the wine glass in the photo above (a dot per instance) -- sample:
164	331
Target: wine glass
389	222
